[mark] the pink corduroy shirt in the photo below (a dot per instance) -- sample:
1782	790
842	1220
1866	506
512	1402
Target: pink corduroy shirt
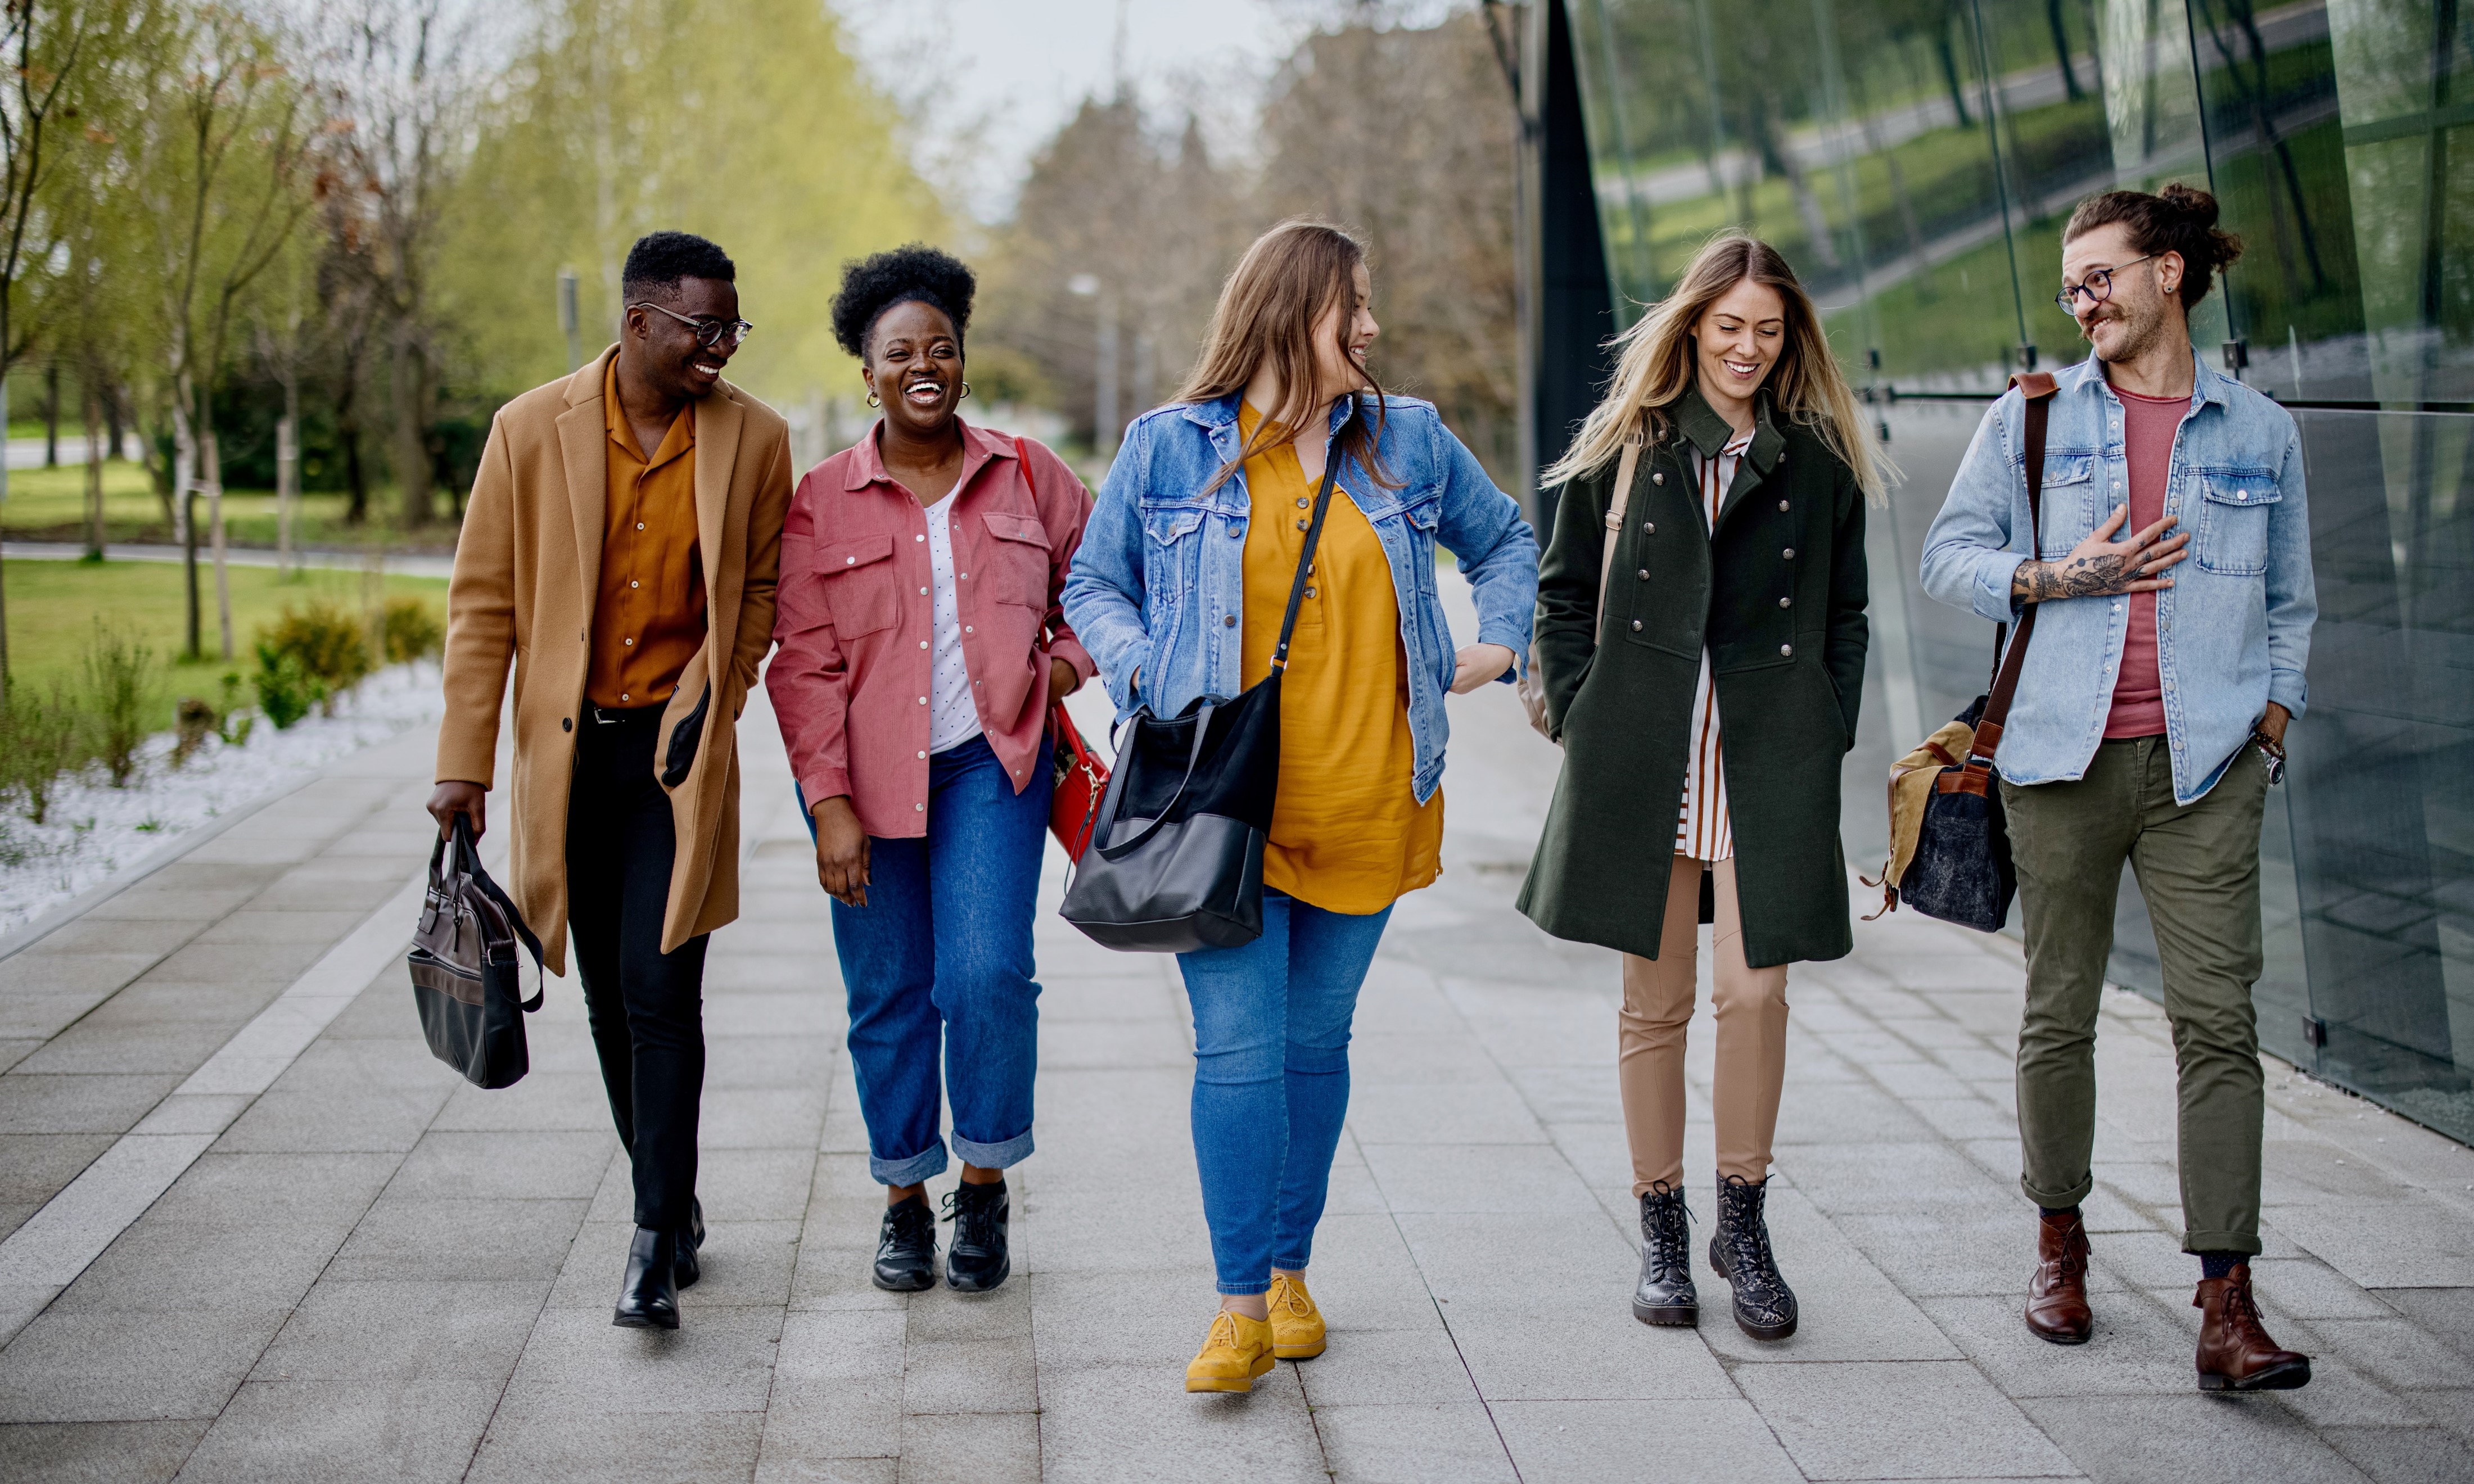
856	620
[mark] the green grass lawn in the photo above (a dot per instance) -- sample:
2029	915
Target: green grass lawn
53	608
49	505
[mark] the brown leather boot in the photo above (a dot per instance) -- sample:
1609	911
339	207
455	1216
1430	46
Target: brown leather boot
2235	1352
2057	1302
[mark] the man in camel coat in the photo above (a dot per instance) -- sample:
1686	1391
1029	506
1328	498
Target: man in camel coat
621	547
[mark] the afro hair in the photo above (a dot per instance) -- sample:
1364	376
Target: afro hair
917	271
659	260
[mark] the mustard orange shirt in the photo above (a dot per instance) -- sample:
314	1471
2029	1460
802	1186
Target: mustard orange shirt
648	613
1347	834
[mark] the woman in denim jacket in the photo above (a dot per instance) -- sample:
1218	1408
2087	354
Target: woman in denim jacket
1178	592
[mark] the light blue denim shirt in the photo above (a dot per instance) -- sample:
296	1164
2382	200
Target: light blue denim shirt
1158	585
2232	632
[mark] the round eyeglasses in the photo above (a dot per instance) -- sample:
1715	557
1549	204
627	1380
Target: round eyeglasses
708	332
2098	286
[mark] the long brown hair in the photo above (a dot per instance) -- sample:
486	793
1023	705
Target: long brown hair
1292	276
1656	369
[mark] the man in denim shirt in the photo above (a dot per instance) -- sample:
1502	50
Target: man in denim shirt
2148	726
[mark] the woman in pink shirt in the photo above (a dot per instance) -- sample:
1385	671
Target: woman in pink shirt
921	644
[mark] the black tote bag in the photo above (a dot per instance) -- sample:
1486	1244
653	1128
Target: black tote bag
465	971
1176	862
1962	871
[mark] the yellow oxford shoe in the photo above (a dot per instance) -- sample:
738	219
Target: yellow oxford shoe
1237	1350
1296	1325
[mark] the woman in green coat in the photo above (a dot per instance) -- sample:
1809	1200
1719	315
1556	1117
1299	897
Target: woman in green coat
1703	677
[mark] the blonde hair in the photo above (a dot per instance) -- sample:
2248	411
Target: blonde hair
1657	367
1291	277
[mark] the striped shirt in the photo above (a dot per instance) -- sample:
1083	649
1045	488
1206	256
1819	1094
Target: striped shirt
1704	829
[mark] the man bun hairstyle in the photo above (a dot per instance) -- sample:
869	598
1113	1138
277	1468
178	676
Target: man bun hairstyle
659	260
913	273
2179	219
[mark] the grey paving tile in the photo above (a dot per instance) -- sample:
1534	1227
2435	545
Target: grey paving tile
86	1104
1003	1315
578	1363
1139	1424
2139	1347
2408	1243
1387	1368
260	928
1527	1351
2173	1440
1717	1440
92	971
843	1430
1887	1421
1422	1442
176	1047
2399	1353
96	1452
106	1365
761	1118
995	1375
2404	1455
14	1049
1081	1320
266	965
544	1101
320	1432
1475	1177
250	1192
1475	1111
443	1238
1001	1448
35	1167
162	1268
529	1443
284	1121
89	934
2446	1313
388	1331
530	1164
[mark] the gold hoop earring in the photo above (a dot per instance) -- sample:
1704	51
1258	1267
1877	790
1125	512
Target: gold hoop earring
872	400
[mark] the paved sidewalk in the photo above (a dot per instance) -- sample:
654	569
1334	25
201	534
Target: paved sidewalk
374	1272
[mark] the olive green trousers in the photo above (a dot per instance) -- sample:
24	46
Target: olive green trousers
2197	867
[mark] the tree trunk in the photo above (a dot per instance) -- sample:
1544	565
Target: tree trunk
2062	49
52	416
287	473
411	453
114	421
213	456
185	463
92	407
1950	71
3	499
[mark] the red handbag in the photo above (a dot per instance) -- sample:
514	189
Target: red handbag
1081	783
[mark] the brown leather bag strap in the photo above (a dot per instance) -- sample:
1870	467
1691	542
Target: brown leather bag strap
2038	388
1617	505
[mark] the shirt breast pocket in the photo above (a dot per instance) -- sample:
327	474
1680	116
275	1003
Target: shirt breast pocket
2072	507
1016	561
1423	518
859	582
1171	551
2233	522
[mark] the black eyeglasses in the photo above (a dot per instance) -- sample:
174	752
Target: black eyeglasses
708	332
2098	286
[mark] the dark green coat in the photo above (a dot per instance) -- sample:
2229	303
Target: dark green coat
1777	596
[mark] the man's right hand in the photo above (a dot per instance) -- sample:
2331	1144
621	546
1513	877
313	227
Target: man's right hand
842	851
454	797
2100	567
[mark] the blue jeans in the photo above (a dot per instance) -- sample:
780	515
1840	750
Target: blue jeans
942	952
1271	1080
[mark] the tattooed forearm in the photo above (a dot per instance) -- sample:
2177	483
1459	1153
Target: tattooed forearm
2076	577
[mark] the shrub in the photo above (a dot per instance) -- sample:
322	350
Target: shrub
408	630
118	671
327	641
40	743
193	721
286	688
235	721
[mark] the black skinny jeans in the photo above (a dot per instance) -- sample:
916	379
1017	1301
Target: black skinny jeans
646	1006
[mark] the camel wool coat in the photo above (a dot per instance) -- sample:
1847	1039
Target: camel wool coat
527	569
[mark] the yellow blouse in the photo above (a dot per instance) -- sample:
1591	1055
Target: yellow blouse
1347	834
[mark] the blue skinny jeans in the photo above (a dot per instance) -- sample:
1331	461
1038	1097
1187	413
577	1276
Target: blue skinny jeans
1271	1080
940	959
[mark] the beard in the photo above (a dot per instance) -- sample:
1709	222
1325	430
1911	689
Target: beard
2138	333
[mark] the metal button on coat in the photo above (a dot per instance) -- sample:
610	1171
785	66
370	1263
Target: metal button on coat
1782	507
1787	601
1229	622
1657	476
1636	626
1644	574
1787	649
1302	525
1649	528
1789	554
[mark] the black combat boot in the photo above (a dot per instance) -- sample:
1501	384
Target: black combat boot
976	1260
1665	1295
1740	1251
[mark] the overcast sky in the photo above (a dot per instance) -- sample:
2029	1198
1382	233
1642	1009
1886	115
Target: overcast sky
988	81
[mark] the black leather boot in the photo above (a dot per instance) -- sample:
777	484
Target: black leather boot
1740	1251
648	1296
1665	1294
691	1241
906	1247
976	1260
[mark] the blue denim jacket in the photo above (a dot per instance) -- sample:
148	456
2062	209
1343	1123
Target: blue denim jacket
1158	585
2232	632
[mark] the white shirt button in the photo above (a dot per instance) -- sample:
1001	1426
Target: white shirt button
631	641
967	628
923	753
920	537
918	808
846	560
923	592
639	526
622	695
633	584
923	643
923	700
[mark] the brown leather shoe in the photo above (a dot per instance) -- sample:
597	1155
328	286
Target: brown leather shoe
2057	1302
2235	1352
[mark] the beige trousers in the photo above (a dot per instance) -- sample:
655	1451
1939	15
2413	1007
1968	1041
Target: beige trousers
1750	1005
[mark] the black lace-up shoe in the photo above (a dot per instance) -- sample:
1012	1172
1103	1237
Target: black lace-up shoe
1740	1251
689	1242
1665	1295
976	1259
906	1247
648	1296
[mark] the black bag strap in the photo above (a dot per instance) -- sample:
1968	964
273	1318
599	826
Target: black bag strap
2038	388
1314	536
467	859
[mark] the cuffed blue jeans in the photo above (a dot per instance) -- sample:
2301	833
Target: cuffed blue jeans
1271	1080
941	954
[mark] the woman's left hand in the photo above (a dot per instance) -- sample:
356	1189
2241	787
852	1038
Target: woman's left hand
1478	664
1062	682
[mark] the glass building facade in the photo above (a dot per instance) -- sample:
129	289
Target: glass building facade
1915	159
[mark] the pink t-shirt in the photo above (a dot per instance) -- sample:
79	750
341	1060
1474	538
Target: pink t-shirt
2149	426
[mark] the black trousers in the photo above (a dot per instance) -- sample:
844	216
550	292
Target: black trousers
646	1006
